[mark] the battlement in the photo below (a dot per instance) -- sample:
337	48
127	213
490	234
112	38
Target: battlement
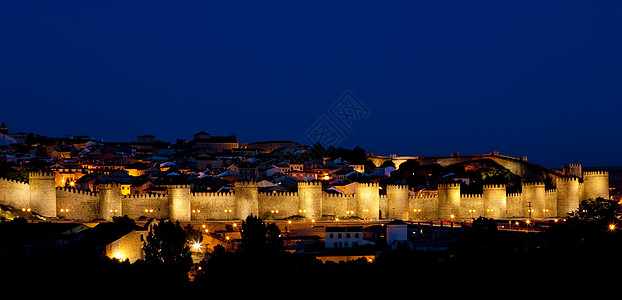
309	183
109	185
424	196
339	195
13	180
513	195
213	194
470	196
246	184
595	173
550	191
279	194
143	196
76	191
42	174
397	187
568	179
448	185
493	186
534	184
368	184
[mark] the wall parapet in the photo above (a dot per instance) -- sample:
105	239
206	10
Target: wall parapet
423	196
143	196
470	196
14	180
493	186
339	195
568	179
41	174
249	183
448	185
367	184
397	187
213	194
76	191
596	173
278	194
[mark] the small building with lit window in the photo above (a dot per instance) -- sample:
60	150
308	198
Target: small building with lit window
344	237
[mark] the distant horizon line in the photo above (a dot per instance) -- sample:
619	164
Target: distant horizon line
104	140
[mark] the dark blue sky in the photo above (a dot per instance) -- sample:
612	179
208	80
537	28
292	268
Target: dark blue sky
535	78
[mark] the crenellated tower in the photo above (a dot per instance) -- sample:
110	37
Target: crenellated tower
246	199
595	184
368	201
449	200
494	201
310	199
110	201
397	202
42	186
569	193
179	202
535	200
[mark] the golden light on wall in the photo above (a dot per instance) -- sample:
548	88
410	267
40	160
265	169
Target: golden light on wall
119	255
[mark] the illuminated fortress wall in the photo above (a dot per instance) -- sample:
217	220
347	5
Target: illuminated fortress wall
41	196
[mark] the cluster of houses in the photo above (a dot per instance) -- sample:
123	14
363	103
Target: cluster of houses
208	163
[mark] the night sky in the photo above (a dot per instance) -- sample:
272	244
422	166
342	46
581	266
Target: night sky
534	78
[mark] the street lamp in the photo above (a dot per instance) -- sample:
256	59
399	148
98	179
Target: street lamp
196	246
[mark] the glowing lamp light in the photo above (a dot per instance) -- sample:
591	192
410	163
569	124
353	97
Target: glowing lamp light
196	246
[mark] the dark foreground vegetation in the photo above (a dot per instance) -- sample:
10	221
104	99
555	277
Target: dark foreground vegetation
579	256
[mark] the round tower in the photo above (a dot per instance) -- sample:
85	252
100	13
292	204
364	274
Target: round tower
569	192
110	201
179	202
246	199
595	184
310	199
534	200
449	201
368	201
42	188
397	202
494	201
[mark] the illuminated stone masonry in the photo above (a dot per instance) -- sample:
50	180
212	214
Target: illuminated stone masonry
41	196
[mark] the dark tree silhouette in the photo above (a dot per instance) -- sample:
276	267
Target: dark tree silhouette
258	237
166	244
